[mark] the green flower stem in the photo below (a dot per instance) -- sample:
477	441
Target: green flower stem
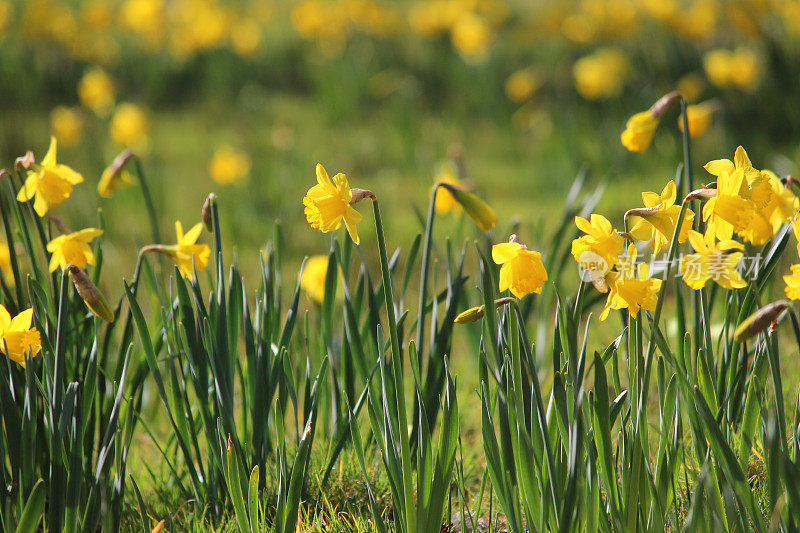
397	369
423	284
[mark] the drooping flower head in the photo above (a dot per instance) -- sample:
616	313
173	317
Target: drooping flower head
639	131
116	175
522	271
73	248
712	260
17	337
48	183
632	289
658	218
328	203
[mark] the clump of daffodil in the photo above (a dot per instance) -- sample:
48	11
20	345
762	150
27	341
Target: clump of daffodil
640	127
48	183
712	260
17	337
228	165
521	271
186	253
658	218
72	248
699	117
330	202
601	246
749	202
631	288
116	175
313	279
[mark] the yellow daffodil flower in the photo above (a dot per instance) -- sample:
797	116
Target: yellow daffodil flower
522	270
632	290
776	204
601	74
601	239
445	202
639	131
792	281
228	165
328	203
699	117
313	279
17	337
658	218
72	249
522	85
48	183
712	260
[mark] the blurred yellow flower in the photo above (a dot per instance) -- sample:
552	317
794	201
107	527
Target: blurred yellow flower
740	68
601	74
792	281
699	117
632	288
49	183
130	126
246	37
471	35
5	263
712	260
96	91
5	16
145	18
186	253
658	218
17	337
66	124
522	271
228	165
445	202
328	203
639	131
691	86
601	239
313	279
72	249
522	85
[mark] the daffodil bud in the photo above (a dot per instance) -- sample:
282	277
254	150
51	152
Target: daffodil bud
229	449
664	103
483	215
159	527
760	320
91	295
206	212
473	314
360	194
